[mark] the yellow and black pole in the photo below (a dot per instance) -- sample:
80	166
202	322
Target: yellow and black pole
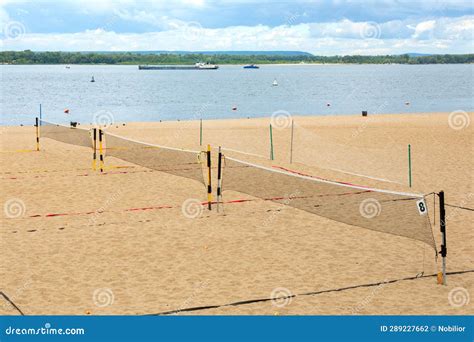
37	135
101	151
94	148
209	186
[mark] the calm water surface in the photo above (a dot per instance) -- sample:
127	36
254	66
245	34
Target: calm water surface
129	94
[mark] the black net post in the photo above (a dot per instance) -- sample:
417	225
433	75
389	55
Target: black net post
101	151
219	178
442	226
94	149
37	134
209	186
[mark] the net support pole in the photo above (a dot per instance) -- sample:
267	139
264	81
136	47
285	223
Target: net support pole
442	226
219	179
94	149
291	141
200	132
101	151
209	174
37	134
409	165
271	142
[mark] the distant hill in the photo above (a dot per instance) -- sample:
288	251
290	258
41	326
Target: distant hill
416	54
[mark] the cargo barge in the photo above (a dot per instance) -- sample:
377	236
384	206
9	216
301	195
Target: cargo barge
197	66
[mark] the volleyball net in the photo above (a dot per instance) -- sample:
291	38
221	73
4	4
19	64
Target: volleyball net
397	213
387	164
65	134
295	143
178	162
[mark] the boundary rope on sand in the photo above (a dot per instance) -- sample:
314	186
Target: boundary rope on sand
251	301
11	302
313	293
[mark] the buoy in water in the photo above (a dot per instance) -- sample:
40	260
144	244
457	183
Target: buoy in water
407	103
328	104
234	108
92	79
66	111
275	83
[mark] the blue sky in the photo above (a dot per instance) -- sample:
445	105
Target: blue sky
321	27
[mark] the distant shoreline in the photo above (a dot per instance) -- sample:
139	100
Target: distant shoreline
28	57
229	64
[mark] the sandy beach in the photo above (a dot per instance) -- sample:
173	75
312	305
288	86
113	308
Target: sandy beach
77	241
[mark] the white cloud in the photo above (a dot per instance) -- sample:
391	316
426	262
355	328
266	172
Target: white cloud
423	27
443	35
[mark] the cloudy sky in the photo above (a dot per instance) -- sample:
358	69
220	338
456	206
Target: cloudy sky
322	27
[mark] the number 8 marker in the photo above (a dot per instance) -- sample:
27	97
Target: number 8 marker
421	205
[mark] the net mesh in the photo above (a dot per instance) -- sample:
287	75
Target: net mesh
65	134
178	162
379	210
387	164
246	137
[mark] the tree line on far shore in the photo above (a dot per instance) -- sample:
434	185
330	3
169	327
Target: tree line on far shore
50	57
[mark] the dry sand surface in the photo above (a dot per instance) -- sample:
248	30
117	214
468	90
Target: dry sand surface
82	242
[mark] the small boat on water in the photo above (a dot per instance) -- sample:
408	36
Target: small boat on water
92	79
275	83
251	66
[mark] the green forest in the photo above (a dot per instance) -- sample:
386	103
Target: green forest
30	57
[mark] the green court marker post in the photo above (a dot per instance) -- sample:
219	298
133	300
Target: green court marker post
409	165
271	143
200	132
